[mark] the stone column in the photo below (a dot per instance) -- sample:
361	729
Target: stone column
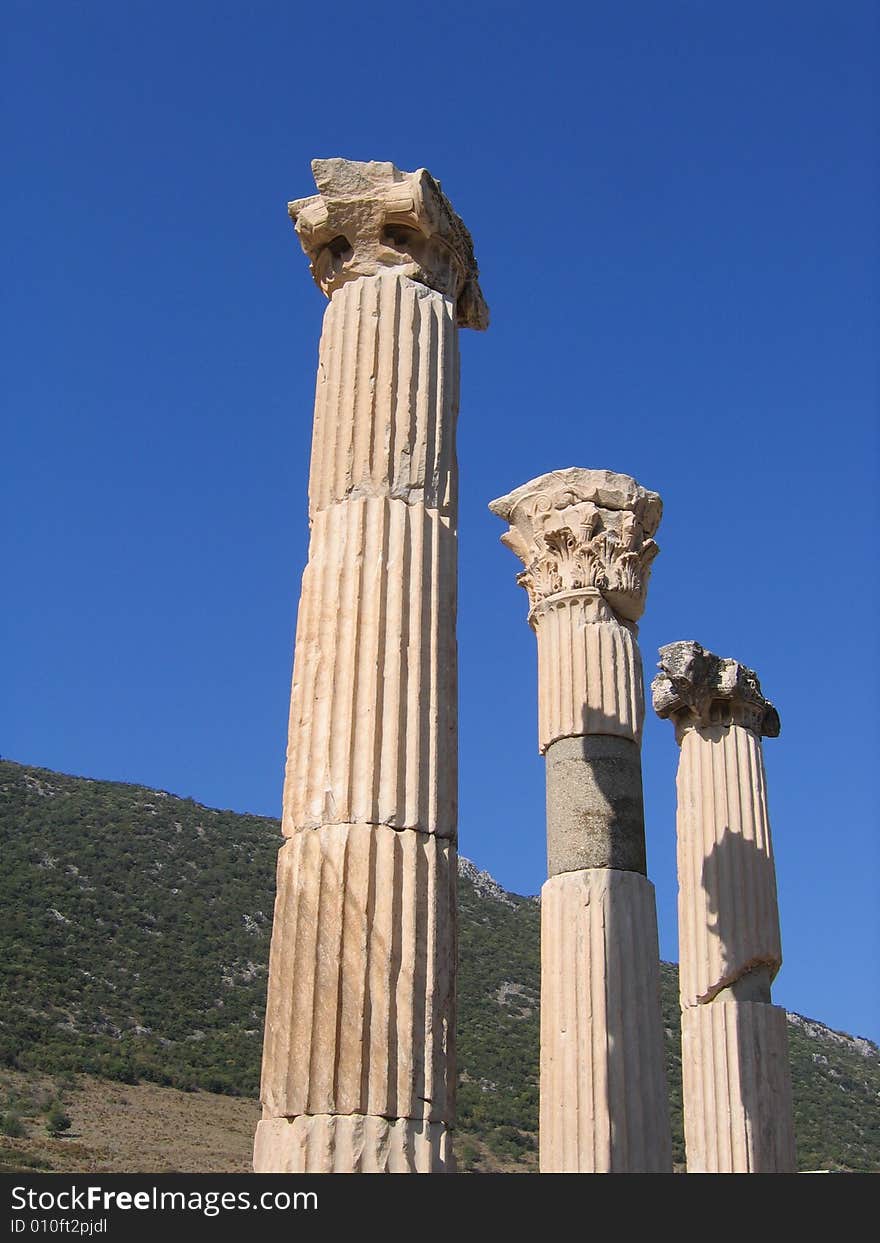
737	1089
585	538
358	1059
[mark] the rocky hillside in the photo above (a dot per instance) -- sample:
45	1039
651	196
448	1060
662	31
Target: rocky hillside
135	935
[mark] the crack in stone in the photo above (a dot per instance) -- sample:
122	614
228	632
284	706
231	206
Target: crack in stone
751	982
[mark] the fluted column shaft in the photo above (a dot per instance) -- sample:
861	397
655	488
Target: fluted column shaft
361	1008
358	1059
589	669
603	1093
736	1081
727	913
373	704
585	540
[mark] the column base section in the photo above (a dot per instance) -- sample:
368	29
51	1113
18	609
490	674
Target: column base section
352	1144
360	1014
604	1102
737	1089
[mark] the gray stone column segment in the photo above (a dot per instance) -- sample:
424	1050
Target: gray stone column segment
595	812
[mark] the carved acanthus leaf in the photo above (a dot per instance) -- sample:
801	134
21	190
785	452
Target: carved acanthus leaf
578	529
697	689
368	217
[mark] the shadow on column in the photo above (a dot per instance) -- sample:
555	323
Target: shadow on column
595	824
739	882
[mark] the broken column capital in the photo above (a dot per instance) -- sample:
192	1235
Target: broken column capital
584	531
368	217
697	689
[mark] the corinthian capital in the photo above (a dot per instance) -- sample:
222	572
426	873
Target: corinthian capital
583	530
696	689
369	217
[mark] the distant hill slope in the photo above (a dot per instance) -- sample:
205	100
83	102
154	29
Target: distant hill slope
134	938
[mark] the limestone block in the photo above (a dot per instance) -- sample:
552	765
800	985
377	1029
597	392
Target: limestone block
352	1144
603	1078
696	689
737	1089
361	1011
373	710
386	398
589	671
727	911
369	217
595	811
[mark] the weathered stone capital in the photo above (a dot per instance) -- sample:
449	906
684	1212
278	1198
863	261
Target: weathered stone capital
697	689
371	216
585	531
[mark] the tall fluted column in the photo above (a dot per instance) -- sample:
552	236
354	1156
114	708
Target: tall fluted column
358	1058
736	1082
585	538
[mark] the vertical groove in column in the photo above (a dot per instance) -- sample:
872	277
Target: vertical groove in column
728	916
372	735
387	395
351	346
361	1014
599	1152
410	339
737	1089
740	792
428	439
619	970
589	674
352	1144
603	1079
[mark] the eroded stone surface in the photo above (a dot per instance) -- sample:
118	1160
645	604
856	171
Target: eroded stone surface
604	1106
375	664
373	709
361	1009
736	1086
595	810
371	216
386	398
696	688
352	1145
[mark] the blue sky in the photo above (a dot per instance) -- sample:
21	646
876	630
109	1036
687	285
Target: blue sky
674	209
